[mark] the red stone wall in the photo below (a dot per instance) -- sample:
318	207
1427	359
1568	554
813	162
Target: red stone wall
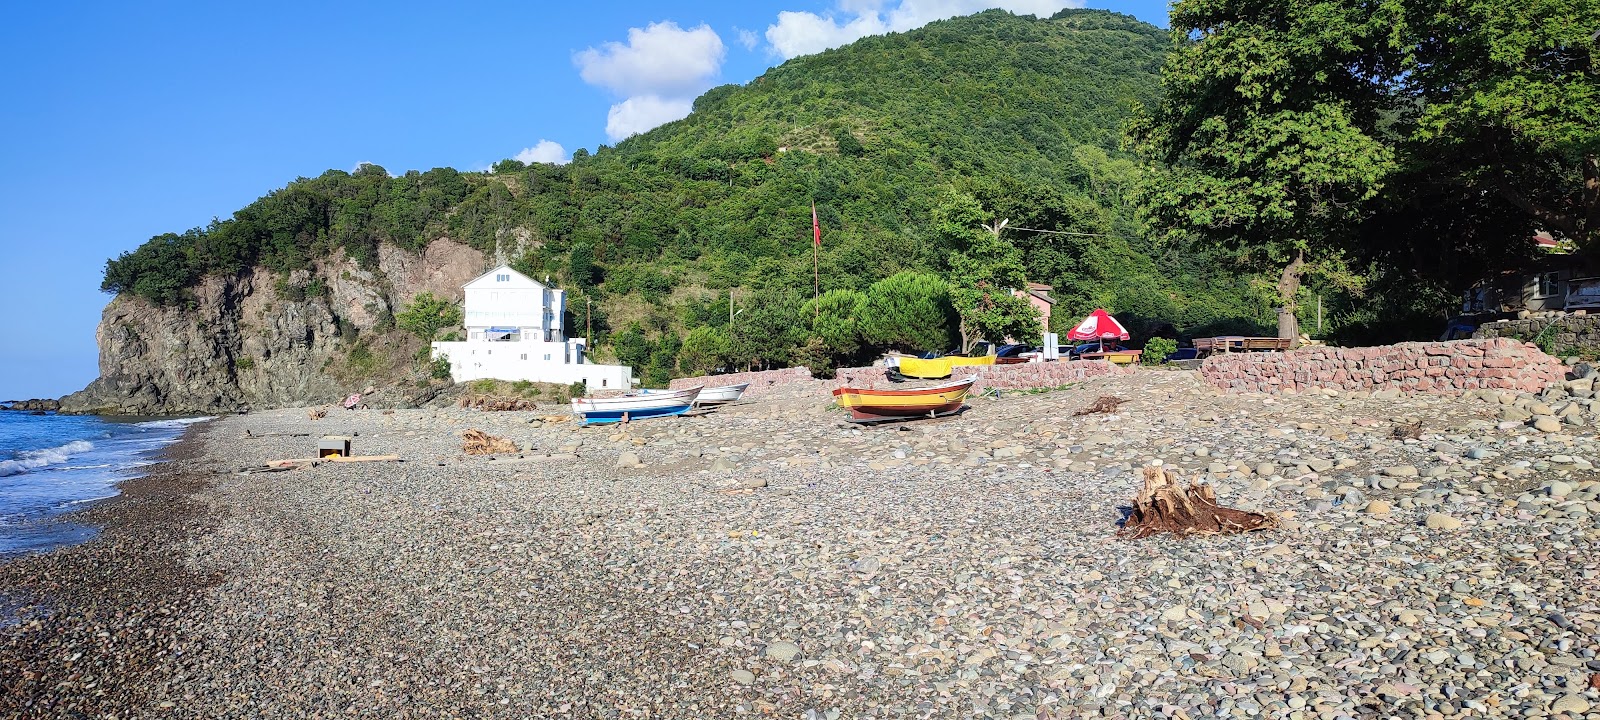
1006	377
760	382
1448	368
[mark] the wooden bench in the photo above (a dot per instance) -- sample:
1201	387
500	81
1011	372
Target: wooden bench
1236	343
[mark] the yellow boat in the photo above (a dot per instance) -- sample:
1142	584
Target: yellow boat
878	405
938	368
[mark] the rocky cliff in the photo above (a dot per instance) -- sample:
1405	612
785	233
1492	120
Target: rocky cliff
259	339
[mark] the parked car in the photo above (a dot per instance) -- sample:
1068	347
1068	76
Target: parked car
1075	351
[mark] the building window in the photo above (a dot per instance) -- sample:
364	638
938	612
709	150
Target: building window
502	278
524	356
604	382
547	356
1548	285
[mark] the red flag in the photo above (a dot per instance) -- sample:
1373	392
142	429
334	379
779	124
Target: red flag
816	229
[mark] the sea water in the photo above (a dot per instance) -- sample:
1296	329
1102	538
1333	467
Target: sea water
53	464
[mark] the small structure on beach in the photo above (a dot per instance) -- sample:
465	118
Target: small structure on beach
516	331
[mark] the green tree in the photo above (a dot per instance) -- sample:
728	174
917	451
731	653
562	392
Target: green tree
1509	98
907	311
426	315
1267	140
984	270
632	347
704	350
834	318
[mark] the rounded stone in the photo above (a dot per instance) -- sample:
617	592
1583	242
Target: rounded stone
1441	521
1378	507
782	651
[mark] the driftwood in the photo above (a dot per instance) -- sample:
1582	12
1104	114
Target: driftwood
316	414
478	442
1164	506
496	404
297	462
1104	404
1408	431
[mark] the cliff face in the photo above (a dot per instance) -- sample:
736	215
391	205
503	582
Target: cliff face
259	340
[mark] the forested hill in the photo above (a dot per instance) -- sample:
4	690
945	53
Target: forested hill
1021	114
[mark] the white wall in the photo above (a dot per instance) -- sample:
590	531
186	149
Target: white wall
514	361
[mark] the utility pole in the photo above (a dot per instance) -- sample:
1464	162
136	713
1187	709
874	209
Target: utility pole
730	310
588	321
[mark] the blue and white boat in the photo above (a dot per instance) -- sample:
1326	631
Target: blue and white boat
596	411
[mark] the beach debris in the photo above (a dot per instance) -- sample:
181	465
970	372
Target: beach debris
490	403
1102	404
1408	430
316	413
1165	506
478	442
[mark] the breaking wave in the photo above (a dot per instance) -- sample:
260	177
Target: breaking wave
33	459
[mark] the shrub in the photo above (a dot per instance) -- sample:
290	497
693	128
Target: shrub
1157	349
525	388
427	315
245	363
482	386
577	389
439	368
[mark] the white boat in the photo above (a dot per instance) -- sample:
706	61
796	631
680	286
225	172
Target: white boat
720	395
711	395
634	407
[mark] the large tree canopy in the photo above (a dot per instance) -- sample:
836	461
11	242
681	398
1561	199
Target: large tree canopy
1267	139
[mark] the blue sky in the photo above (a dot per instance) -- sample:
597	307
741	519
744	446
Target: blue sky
127	120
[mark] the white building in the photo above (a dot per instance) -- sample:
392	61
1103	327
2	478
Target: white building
515	332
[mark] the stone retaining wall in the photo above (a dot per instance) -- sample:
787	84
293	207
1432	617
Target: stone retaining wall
1571	334
760	382
1448	368
1007	377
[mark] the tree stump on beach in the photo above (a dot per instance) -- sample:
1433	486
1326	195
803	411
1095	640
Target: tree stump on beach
1165	506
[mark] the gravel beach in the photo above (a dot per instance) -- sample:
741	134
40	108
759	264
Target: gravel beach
771	560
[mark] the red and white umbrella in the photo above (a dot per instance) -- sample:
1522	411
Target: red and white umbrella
1098	326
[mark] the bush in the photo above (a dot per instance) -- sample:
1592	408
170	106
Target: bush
1157	349
245	363
427	315
525	388
577	389
439	368
482	386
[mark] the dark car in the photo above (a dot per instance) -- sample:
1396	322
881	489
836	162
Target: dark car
1077	351
1014	350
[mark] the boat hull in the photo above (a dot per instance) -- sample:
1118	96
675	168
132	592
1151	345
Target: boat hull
938	368
878	405
603	417
711	395
592	411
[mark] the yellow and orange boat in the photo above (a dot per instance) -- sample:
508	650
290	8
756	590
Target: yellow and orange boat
880	405
937	368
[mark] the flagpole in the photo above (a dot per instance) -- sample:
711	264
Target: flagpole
816	268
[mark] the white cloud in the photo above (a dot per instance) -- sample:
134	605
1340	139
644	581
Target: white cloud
544	151
803	33
643	112
658	72
747	38
662	59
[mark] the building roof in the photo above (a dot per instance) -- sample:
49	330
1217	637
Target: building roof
499	269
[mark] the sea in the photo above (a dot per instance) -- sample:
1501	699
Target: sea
53	464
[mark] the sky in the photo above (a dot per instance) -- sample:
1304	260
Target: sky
127	120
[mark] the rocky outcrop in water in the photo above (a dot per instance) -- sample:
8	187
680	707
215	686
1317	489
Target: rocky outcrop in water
35	405
260	339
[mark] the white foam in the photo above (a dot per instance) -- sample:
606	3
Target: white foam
32	459
174	423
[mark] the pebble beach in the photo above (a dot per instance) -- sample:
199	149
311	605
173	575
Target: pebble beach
770	559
